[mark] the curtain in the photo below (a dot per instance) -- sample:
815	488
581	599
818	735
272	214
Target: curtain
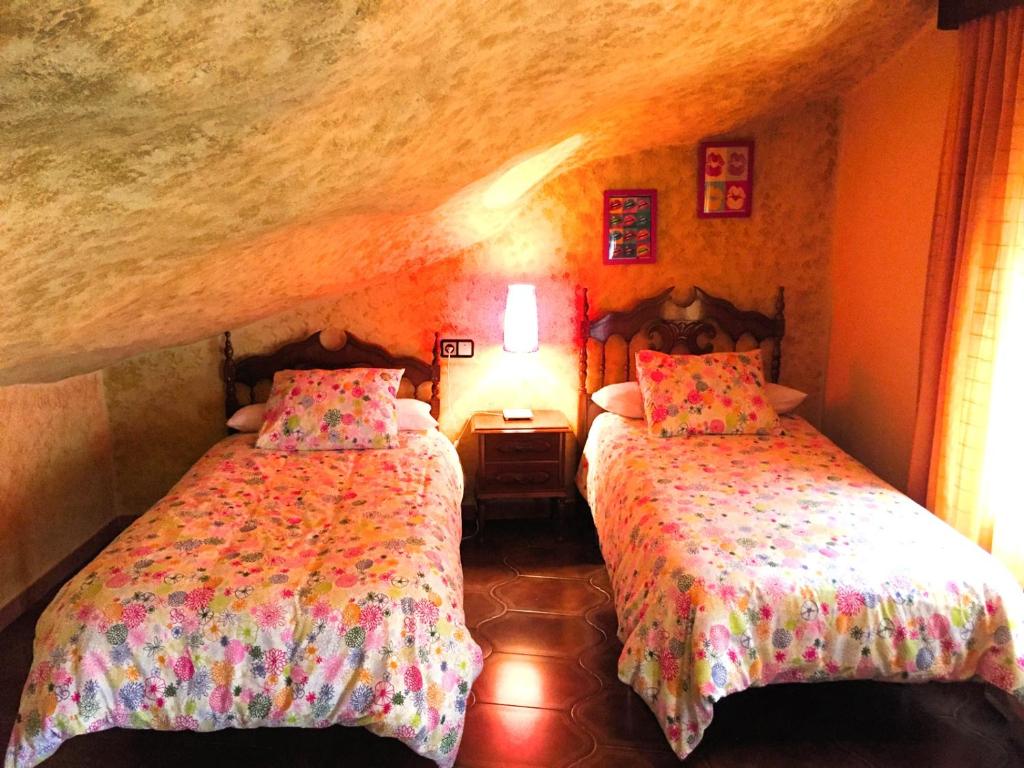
953	13
969	433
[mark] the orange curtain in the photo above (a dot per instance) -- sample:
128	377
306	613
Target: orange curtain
970	428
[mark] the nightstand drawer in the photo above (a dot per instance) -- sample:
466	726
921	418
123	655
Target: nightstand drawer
521	477
539	446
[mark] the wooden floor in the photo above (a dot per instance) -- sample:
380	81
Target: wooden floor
548	696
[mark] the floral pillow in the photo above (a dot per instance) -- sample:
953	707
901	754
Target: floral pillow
721	393
331	410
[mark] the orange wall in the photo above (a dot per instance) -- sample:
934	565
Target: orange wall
889	150
56	475
165	406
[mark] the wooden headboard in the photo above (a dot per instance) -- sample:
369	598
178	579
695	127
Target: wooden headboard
420	380
697	325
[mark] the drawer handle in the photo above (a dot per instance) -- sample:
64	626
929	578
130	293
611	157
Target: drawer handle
525	446
523	478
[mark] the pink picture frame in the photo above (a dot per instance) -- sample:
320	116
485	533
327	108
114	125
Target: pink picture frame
630	226
725	179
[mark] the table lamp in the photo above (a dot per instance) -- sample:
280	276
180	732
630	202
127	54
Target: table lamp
520	332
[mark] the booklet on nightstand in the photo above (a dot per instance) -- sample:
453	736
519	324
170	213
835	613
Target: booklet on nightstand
517	414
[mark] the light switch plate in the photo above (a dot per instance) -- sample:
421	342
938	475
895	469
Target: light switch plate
457	348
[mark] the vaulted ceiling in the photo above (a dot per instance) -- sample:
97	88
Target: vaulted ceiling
169	169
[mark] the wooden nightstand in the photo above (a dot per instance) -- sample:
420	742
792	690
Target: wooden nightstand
520	459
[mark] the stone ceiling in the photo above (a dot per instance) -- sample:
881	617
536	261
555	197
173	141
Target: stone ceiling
169	169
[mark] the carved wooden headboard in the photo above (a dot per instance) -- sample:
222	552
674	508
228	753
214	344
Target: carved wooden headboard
420	380
697	325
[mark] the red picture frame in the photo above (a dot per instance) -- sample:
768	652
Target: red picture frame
725	179
630	227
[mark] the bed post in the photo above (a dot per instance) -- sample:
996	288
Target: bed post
780	329
435	377
230	394
583	406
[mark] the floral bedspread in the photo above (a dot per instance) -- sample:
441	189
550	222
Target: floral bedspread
269	589
740	561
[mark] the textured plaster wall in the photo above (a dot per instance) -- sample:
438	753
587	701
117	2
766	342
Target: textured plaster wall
165	409
890	147
152	154
165	406
56	475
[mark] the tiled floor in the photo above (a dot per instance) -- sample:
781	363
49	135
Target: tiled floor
549	696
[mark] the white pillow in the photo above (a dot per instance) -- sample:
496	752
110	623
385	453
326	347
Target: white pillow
623	399
249	418
783	399
414	414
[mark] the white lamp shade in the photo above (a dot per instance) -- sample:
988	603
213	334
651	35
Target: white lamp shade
521	319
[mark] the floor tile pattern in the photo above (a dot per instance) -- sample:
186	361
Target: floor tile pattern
549	697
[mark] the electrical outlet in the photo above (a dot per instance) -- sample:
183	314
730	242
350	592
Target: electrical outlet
456	348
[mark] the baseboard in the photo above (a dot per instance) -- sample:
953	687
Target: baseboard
62	571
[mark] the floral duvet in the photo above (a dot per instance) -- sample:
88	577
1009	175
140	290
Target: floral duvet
740	561
269	589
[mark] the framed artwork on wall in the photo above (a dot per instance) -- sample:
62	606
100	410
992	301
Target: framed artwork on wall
725	179
630	226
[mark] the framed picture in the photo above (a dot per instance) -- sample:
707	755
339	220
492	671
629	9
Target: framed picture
725	179
630	226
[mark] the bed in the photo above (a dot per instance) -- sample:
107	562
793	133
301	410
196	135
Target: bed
744	560
273	588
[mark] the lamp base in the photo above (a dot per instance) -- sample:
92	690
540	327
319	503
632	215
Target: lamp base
517	414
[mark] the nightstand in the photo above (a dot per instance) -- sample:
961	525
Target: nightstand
520	459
